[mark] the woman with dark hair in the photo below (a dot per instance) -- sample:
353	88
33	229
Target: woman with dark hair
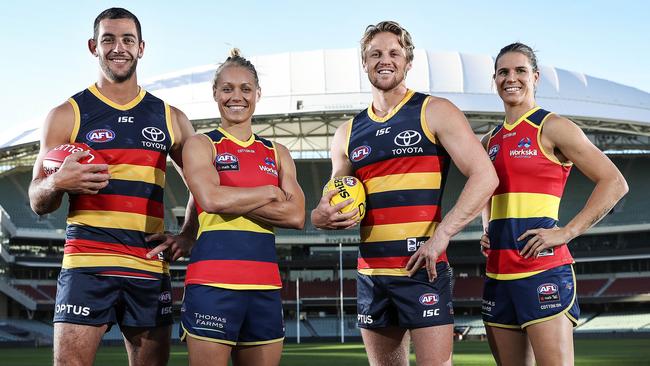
243	186
529	297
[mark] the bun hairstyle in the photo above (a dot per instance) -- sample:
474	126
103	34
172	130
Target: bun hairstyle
235	59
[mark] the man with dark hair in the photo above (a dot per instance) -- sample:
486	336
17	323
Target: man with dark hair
400	149
114	270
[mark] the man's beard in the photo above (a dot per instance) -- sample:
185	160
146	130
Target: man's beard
115	77
386	87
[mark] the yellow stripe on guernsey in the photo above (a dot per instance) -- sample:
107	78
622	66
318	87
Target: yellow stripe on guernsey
77	119
391	232
524	205
512	276
402	181
138	173
210	222
76	260
384	271
116	220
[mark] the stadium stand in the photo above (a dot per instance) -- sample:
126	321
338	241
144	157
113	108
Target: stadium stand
622	322
628	286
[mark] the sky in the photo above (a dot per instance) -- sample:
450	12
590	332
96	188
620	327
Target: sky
46	60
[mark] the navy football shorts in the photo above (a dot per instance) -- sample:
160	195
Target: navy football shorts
91	299
406	302
233	317
516	304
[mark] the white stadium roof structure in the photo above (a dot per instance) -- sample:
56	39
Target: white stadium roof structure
306	95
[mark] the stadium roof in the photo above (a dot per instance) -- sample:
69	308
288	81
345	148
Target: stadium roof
306	95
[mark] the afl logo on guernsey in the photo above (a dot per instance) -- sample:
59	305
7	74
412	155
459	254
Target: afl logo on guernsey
226	161
429	299
100	135
493	152
360	153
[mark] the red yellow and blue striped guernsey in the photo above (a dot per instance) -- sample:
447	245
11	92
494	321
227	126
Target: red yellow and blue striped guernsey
105	232
403	169
531	183
236	252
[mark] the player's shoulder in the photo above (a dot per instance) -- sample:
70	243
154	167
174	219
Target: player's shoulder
64	112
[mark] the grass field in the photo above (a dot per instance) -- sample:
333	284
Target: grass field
589	352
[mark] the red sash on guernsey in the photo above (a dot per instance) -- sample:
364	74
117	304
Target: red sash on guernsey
531	183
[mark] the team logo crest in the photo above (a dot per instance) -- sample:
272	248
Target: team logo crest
524	143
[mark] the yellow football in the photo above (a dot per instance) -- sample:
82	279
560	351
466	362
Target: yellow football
347	187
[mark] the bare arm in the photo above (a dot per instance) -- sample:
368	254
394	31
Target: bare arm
203	182
485	212
325	216
45	193
452	129
569	143
289	213
179	245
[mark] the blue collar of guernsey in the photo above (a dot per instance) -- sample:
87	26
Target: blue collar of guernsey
239	142
123	107
510	126
376	118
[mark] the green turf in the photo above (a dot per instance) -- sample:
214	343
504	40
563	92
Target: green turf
596	352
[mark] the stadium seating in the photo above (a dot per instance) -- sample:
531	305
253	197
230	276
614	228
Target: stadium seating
622	322
628	286
590	287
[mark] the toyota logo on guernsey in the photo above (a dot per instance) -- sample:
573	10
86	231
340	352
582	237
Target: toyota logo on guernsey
154	136
100	135
406	140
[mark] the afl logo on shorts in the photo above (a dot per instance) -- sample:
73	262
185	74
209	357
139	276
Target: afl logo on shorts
360	153
429	299
165	297
548	292
100	135
493	152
